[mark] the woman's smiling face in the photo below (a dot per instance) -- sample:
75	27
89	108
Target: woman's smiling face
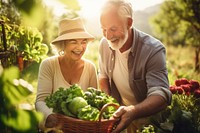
75	48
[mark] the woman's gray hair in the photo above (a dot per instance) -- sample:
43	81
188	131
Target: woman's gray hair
125	7
60	47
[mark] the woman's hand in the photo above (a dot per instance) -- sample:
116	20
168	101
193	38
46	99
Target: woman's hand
51	121
126	115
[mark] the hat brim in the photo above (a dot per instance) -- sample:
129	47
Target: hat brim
75	35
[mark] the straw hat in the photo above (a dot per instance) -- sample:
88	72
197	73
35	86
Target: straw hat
71	29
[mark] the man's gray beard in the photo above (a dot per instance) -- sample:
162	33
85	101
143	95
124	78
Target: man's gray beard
114	47
121	43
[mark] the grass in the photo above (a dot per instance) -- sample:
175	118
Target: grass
180	63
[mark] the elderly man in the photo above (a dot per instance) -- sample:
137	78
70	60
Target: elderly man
132	67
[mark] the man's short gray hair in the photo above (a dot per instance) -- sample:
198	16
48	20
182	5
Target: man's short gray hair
125	7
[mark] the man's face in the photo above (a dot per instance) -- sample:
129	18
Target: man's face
114	28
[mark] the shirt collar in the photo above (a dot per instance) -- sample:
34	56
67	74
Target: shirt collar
135	40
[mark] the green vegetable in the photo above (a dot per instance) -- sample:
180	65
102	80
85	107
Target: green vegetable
76	104
54	100
109	112
97	99
65	109
88	113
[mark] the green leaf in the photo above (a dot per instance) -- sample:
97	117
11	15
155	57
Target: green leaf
11	95
14	90
22	120
10	74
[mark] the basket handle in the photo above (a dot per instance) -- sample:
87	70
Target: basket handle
105	107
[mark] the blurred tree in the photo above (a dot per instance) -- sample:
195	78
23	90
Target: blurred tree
8	10
13	12
43	17
18	40
24	5
178	23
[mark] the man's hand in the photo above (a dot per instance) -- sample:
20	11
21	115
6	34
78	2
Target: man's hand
148	107
126	115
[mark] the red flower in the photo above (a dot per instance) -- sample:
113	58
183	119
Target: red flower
194	85
184	81
186	87
181	81
172	88
197	93
187	93
179	89
178	82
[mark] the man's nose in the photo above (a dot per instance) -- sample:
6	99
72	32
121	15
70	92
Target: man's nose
109	34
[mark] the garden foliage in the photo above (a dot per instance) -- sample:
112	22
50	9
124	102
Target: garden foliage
14	117
183	115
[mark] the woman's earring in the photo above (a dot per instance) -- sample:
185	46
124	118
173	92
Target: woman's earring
61	52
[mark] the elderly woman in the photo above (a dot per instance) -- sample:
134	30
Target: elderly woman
67	68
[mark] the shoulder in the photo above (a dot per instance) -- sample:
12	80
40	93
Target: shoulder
88	63
104	48
148	40
49	65
147	43
49	62
89	66
104	44
103	41
50	59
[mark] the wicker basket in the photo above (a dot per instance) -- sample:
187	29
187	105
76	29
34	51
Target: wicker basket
73	125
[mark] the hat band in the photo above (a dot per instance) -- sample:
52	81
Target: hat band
72	30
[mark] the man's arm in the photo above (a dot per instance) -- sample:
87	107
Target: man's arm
104	85
151	105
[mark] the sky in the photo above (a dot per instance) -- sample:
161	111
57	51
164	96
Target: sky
142	4
91	7
90	10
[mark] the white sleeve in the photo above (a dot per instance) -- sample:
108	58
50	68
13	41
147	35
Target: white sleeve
44	89
41	107
102	76
102	68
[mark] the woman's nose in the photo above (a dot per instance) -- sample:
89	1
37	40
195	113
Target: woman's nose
81	46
